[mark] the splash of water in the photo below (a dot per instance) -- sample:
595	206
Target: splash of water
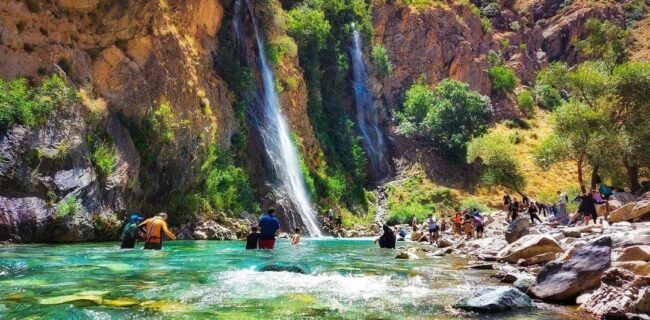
373	140
275	134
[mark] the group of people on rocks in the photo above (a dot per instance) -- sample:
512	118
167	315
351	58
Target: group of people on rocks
558	211
464	223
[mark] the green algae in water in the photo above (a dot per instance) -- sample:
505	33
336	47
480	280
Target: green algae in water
346	279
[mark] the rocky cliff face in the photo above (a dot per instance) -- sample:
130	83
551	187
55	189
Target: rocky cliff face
128	57
451	43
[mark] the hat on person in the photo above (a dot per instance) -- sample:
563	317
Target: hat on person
135	218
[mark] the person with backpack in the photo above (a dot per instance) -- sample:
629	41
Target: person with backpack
131	232
154	229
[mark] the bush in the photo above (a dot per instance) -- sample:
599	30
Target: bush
504	80
517	124
548	97
162	123
471	203
22	105
450	116
486	25
526	102
67	207
105	158
381	61
634	10
226	186
491	10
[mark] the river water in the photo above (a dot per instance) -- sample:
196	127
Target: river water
346	279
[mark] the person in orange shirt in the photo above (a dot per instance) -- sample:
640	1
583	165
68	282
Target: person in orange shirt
153	231
457	220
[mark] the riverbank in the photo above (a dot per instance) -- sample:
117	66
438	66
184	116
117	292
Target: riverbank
603	269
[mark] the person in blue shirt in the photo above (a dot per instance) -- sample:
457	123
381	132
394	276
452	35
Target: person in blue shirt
269	226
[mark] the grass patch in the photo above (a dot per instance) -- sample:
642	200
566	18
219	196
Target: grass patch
67	207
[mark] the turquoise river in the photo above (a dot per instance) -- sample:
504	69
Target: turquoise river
345	279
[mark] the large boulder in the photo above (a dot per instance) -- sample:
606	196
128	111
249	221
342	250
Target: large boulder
621	214
282	267
497	300
211	230
564	281
517	229
528	247
623	197
635	253
630	211
639	268
620	294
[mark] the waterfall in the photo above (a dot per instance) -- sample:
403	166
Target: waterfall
372	138
275	134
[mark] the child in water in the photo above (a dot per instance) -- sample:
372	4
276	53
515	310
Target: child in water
252	239
295	238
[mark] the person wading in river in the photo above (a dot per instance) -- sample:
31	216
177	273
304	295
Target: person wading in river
295	238
131	232
388	239
269	226
153	231
252	239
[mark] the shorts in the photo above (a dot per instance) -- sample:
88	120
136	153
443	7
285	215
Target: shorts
267	244
152	246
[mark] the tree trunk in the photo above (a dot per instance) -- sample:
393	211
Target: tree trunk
632	174
595	179
581	180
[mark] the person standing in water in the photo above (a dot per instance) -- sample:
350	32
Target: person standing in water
154	228
131	232
387	239
433	229
269	226
252	239
295	238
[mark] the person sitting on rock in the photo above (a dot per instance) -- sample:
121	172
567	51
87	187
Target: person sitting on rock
295	238
252	239
155	227
131	232
387	239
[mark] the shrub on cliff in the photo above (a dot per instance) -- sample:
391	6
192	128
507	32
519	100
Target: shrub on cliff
308	26
504	80
526	102
449	116
548	97
67	207
20	104
381	61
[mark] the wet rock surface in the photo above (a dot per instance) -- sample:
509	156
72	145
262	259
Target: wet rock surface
497	300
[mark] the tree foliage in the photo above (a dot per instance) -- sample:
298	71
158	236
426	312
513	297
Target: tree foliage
449	116
500	166
381	61
605	42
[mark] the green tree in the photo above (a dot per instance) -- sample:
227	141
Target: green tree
308	26
499	165
579	134
450	116
503	78
606	42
